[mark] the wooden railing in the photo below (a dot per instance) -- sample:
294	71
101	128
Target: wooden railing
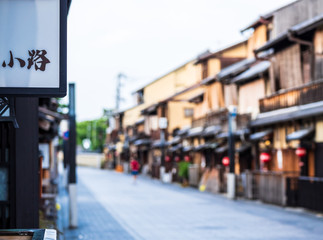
221	118
199	122
212	118
305	94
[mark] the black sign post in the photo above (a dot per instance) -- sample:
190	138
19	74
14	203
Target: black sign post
72	158
72	135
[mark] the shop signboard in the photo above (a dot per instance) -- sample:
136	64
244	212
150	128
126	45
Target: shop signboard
33	48
162	123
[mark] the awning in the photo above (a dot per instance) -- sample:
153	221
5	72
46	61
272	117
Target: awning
244	147
283	37
197	98
208	80
133	139
254	72
235	69
203	56
207	145
174	140
296	30
46	117
187	148
141	142
112	147
158	144
241	132
236	134
140	121
300	134
199	147
211	145
175	148
288	114
261	20
211	131
151	110
307	25
258	136
194	132
222	149
45	111
183	131
222	135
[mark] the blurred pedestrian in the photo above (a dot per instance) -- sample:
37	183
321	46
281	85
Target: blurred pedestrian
134	165
183	167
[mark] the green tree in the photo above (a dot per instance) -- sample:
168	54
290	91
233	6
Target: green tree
94	130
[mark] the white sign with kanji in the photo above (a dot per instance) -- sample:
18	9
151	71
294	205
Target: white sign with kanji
30	43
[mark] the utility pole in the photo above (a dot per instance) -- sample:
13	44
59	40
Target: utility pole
119	86
163	124
232	128
72	187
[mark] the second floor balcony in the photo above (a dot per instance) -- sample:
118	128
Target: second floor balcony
297	96
220	118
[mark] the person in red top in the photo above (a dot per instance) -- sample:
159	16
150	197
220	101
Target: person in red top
134	165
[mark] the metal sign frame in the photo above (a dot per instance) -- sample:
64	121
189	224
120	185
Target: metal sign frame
48	92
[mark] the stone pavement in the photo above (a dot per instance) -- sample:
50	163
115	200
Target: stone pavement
94	222
112	207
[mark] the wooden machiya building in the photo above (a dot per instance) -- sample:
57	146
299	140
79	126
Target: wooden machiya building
293	111
287	133
194	116
127	142
49	121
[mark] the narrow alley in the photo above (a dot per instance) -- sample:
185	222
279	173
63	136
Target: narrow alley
111	206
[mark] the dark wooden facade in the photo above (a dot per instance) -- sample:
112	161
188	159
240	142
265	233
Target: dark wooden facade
297	96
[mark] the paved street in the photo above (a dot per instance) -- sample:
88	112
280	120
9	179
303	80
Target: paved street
112	207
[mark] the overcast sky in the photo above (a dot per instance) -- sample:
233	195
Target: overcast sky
145	39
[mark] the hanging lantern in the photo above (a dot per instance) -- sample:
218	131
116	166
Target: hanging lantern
187	158
226	161
167	159
177	159
265	157
300	152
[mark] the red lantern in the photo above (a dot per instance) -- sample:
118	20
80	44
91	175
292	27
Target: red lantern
265	157
177	159
300	152
167	158
187	158
226	161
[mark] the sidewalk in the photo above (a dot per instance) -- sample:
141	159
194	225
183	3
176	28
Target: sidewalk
94	222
